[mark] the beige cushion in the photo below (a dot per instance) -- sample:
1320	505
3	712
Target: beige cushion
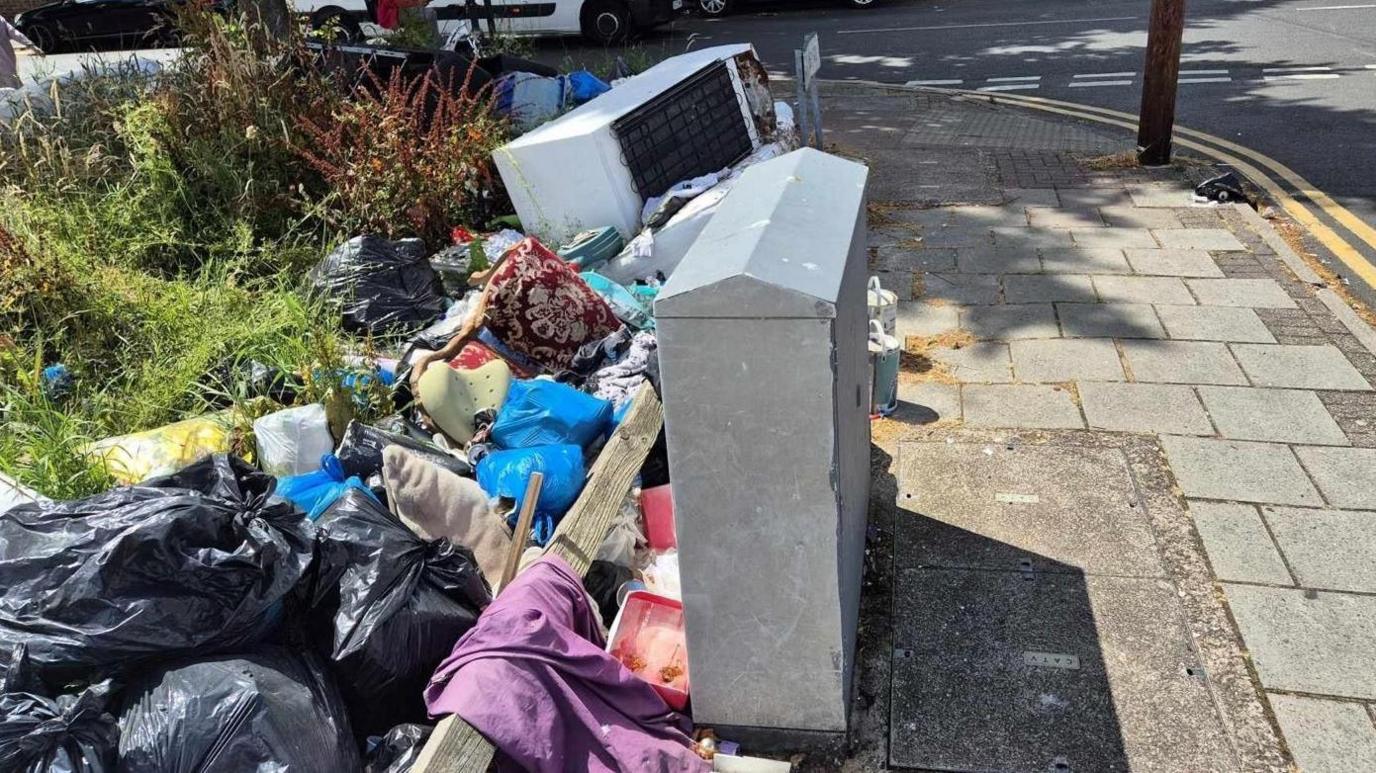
434	502
453	397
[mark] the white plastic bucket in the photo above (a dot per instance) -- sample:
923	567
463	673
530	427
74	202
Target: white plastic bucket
883	306
884	355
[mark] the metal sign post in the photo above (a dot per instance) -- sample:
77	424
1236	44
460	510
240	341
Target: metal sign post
808	61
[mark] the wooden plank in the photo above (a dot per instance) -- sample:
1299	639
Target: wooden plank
583	529
521	536
455	747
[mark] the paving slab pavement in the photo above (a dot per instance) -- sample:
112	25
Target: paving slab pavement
1110	309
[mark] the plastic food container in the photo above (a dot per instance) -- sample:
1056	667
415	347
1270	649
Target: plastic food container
658	506
648	638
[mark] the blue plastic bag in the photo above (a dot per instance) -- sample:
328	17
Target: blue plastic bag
505	473
545	413
314	492
584	86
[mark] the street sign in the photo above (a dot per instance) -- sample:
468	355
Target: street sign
807	63
812	58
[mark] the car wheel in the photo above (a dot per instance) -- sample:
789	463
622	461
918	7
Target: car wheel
606	21
714	7
42	38
338	19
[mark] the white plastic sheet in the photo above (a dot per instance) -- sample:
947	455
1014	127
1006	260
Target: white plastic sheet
291	442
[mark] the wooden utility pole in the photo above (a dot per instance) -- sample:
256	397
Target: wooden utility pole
1161	70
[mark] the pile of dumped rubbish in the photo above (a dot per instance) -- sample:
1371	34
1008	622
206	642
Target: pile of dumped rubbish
313	601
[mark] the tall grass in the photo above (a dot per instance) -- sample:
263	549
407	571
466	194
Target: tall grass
154	231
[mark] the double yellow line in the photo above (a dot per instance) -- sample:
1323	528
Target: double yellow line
1246	161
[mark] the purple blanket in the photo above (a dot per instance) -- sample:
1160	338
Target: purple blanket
533	678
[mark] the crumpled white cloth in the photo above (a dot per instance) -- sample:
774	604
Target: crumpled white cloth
682	191
619	381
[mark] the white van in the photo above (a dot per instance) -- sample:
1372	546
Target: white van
600	21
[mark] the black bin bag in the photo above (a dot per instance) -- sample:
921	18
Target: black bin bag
274	709
360	452
382	286
386	608
72	733
195	562
398	750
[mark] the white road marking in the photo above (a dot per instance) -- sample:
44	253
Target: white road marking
948	82
1085	84
1106	75
1297	69
1370	66
1203	72
1012	87
1015	78
991	24
1333	7
1301	77
882	61
1205	80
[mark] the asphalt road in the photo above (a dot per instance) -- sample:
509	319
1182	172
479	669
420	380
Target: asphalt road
1293	79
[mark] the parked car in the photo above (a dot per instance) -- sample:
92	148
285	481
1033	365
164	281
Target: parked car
723	7
82	23
601	21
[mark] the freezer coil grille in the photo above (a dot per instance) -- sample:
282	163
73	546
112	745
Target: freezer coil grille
694	128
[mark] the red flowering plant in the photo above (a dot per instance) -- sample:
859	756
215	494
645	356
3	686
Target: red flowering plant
411	156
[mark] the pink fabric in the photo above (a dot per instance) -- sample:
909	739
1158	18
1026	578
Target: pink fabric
533	678
538	306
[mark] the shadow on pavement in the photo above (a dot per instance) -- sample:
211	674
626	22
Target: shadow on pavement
964	667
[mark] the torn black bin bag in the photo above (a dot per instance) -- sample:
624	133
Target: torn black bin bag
190	563
72	733
382	286
386	607
360	452
274	709
398	750
602	582
454	264
1224	188
399	424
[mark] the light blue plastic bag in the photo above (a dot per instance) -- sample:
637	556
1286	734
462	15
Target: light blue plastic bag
540	412
505	473
625	305
314	492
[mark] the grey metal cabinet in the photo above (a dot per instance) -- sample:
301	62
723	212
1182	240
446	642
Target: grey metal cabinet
762	334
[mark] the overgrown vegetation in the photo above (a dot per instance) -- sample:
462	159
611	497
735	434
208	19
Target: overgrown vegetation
154	229
408	157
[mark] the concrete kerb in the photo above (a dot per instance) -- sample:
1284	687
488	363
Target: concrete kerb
1276	242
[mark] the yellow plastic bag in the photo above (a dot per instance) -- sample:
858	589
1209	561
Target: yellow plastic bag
141	455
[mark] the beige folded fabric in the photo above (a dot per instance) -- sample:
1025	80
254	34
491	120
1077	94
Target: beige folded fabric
434	502
452	397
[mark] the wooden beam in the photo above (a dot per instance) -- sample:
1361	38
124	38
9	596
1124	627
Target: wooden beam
455	747
583	529
521	536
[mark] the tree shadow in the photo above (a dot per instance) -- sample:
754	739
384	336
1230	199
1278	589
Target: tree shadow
990	663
